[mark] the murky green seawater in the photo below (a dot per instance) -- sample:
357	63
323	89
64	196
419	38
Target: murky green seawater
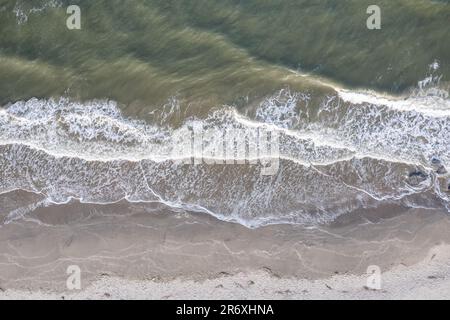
214	51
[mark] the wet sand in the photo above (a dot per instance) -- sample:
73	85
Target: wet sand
428	279
146	251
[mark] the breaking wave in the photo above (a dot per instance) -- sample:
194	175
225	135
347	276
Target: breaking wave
351	151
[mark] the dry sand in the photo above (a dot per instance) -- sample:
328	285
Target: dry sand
145	252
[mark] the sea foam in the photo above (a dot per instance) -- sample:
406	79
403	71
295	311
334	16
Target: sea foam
343	154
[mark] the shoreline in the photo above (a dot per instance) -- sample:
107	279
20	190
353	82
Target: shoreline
141	252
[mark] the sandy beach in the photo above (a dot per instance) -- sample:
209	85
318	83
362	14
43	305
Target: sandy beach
140	252
428	279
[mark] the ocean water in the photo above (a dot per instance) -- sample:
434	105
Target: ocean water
361	118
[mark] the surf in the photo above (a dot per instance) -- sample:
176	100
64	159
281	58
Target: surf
334	158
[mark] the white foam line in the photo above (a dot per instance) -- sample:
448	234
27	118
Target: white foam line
417	104
160	159
319	141
399	102
197	208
